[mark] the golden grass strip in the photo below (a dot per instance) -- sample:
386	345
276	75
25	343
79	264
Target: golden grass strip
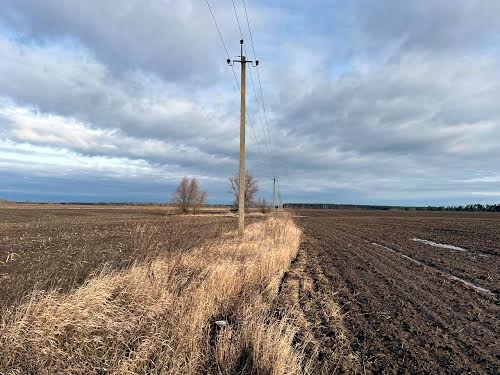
158	318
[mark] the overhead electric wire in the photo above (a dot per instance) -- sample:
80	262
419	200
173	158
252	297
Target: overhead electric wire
248	116
237	20
267	139
250	70
232	68
258	76
260	87
217	27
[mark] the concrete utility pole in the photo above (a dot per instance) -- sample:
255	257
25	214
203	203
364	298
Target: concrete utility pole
242	177
241	203
274	194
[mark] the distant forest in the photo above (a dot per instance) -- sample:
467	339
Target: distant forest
470	207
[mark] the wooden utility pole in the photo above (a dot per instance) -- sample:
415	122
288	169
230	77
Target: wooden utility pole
242	177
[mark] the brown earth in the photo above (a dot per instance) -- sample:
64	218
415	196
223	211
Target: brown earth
366	308
361	306
48	247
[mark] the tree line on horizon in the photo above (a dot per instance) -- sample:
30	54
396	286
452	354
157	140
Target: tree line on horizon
467	208
475	207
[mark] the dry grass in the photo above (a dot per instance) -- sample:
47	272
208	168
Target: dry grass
60	248
158	317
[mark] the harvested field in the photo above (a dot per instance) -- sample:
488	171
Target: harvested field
207	308
50	246
405	306
369	292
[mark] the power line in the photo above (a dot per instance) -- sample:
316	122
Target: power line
249	29
265	118
246	111
250	71
232	67
261	91
218	30
268	139
258	108
258	74
238	21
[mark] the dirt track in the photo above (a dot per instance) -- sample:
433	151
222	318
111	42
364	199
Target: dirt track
402	311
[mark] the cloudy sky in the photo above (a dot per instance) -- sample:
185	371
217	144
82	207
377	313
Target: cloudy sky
369	101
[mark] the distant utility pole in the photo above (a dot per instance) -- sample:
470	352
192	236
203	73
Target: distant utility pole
241	200
274	194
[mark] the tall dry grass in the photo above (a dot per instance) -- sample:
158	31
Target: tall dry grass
159	317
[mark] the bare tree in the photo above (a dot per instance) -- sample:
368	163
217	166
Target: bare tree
251	188
197	196
189	196
263	206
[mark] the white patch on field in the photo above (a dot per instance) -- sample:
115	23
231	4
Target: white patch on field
473	286
442	245
397	252
450	276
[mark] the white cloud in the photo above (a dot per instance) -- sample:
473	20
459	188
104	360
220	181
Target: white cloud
366	108
487	193
26	126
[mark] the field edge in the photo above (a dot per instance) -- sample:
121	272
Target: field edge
160	317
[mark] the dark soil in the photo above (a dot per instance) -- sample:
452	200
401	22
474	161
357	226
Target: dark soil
58	247
400	316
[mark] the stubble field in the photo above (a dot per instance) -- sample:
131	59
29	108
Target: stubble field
59	247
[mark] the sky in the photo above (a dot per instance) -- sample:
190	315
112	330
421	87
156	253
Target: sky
367	102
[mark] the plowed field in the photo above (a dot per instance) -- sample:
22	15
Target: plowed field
406	305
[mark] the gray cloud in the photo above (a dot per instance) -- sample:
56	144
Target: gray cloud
404	129
396	104
129	107
165	37
434	26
